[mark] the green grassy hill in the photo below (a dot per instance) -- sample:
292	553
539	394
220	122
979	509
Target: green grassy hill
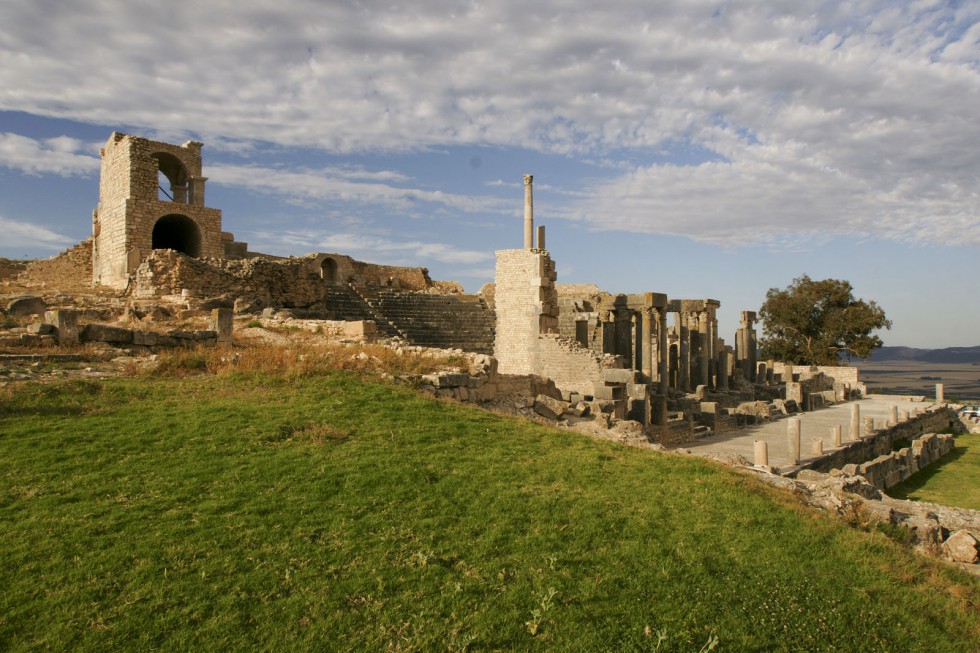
333	513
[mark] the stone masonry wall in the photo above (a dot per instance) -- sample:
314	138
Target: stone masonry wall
71	268
571	367
524	293
881	443
285	282
129	206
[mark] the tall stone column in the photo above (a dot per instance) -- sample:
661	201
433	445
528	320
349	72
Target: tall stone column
664	351
684	353
722	383
528	212
854	432
704	351
646	343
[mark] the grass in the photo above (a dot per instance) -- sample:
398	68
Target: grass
324	511
954	481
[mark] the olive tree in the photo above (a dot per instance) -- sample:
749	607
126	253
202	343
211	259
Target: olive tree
819	323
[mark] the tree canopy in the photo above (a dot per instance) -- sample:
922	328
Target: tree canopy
819	322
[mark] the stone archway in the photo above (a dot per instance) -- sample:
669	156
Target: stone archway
179	233
328	270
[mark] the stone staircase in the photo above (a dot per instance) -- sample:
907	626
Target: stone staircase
344	303
443	321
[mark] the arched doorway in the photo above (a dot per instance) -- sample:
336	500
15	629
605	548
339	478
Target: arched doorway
172	173
328	270
179	233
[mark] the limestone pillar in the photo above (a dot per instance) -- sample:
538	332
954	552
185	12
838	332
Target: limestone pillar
869	425
855	428
723	364
664	350
761	453
835	435
761	375
940	392
793	439
704	349
541	237
893	415
646	344
787	373
684	378
528	213
817	447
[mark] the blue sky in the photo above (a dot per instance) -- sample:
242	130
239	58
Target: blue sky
701	149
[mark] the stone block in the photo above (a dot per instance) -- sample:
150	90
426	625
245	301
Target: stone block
549	407
65	322
619	376
26	305
637	390
104	333
222	321
608	392
961	547
41	329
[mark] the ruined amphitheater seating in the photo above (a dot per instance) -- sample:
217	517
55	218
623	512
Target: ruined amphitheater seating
445	321
343	303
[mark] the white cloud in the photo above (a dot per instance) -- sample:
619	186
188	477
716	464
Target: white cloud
18	235
335	184
60	156
394	251
817	118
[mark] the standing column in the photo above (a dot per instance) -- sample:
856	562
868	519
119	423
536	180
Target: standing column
704	350
528	213
793	439
722	377
646	353
940	392
855	428
664	351
684	377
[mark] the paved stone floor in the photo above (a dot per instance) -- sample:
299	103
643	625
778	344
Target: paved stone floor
815	424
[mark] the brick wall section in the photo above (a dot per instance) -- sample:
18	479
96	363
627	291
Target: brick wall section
70	269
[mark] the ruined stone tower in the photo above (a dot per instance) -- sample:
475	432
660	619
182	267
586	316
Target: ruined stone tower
151	196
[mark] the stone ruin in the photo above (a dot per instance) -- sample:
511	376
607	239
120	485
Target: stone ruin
647	358
645	367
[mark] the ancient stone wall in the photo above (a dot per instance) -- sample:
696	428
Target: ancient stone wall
890	469
10	269
285	282
130	206
882	441
571	367
526	307
70	269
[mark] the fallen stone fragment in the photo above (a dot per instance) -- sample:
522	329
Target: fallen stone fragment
549	406
961	547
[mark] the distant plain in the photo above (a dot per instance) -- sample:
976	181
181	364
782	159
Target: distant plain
961	380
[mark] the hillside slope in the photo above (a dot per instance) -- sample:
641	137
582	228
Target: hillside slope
329	512
947	355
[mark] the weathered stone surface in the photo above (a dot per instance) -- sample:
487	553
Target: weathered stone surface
105	333
41	329
961	547
26	305
549	407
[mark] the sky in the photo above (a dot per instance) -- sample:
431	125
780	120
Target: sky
699	149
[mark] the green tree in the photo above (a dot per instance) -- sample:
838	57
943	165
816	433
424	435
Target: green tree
817	322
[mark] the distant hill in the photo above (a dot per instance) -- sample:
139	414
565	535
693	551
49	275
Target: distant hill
947	355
